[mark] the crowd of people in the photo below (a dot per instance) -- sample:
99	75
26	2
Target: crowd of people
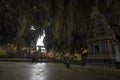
38	56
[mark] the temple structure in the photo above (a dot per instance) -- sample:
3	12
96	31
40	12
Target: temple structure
101	40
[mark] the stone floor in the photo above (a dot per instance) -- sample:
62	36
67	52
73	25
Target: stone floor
55	71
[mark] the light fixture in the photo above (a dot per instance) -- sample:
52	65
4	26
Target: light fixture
32	28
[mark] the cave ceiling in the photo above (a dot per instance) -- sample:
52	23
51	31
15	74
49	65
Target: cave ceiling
65	22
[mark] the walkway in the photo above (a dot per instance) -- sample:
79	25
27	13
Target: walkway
55	71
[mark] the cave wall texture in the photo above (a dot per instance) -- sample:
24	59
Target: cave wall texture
66	22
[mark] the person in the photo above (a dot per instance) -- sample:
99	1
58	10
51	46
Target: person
40	56
83	64
64	62
67	63
84	58
34	57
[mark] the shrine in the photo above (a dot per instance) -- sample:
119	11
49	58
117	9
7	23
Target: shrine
101	40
